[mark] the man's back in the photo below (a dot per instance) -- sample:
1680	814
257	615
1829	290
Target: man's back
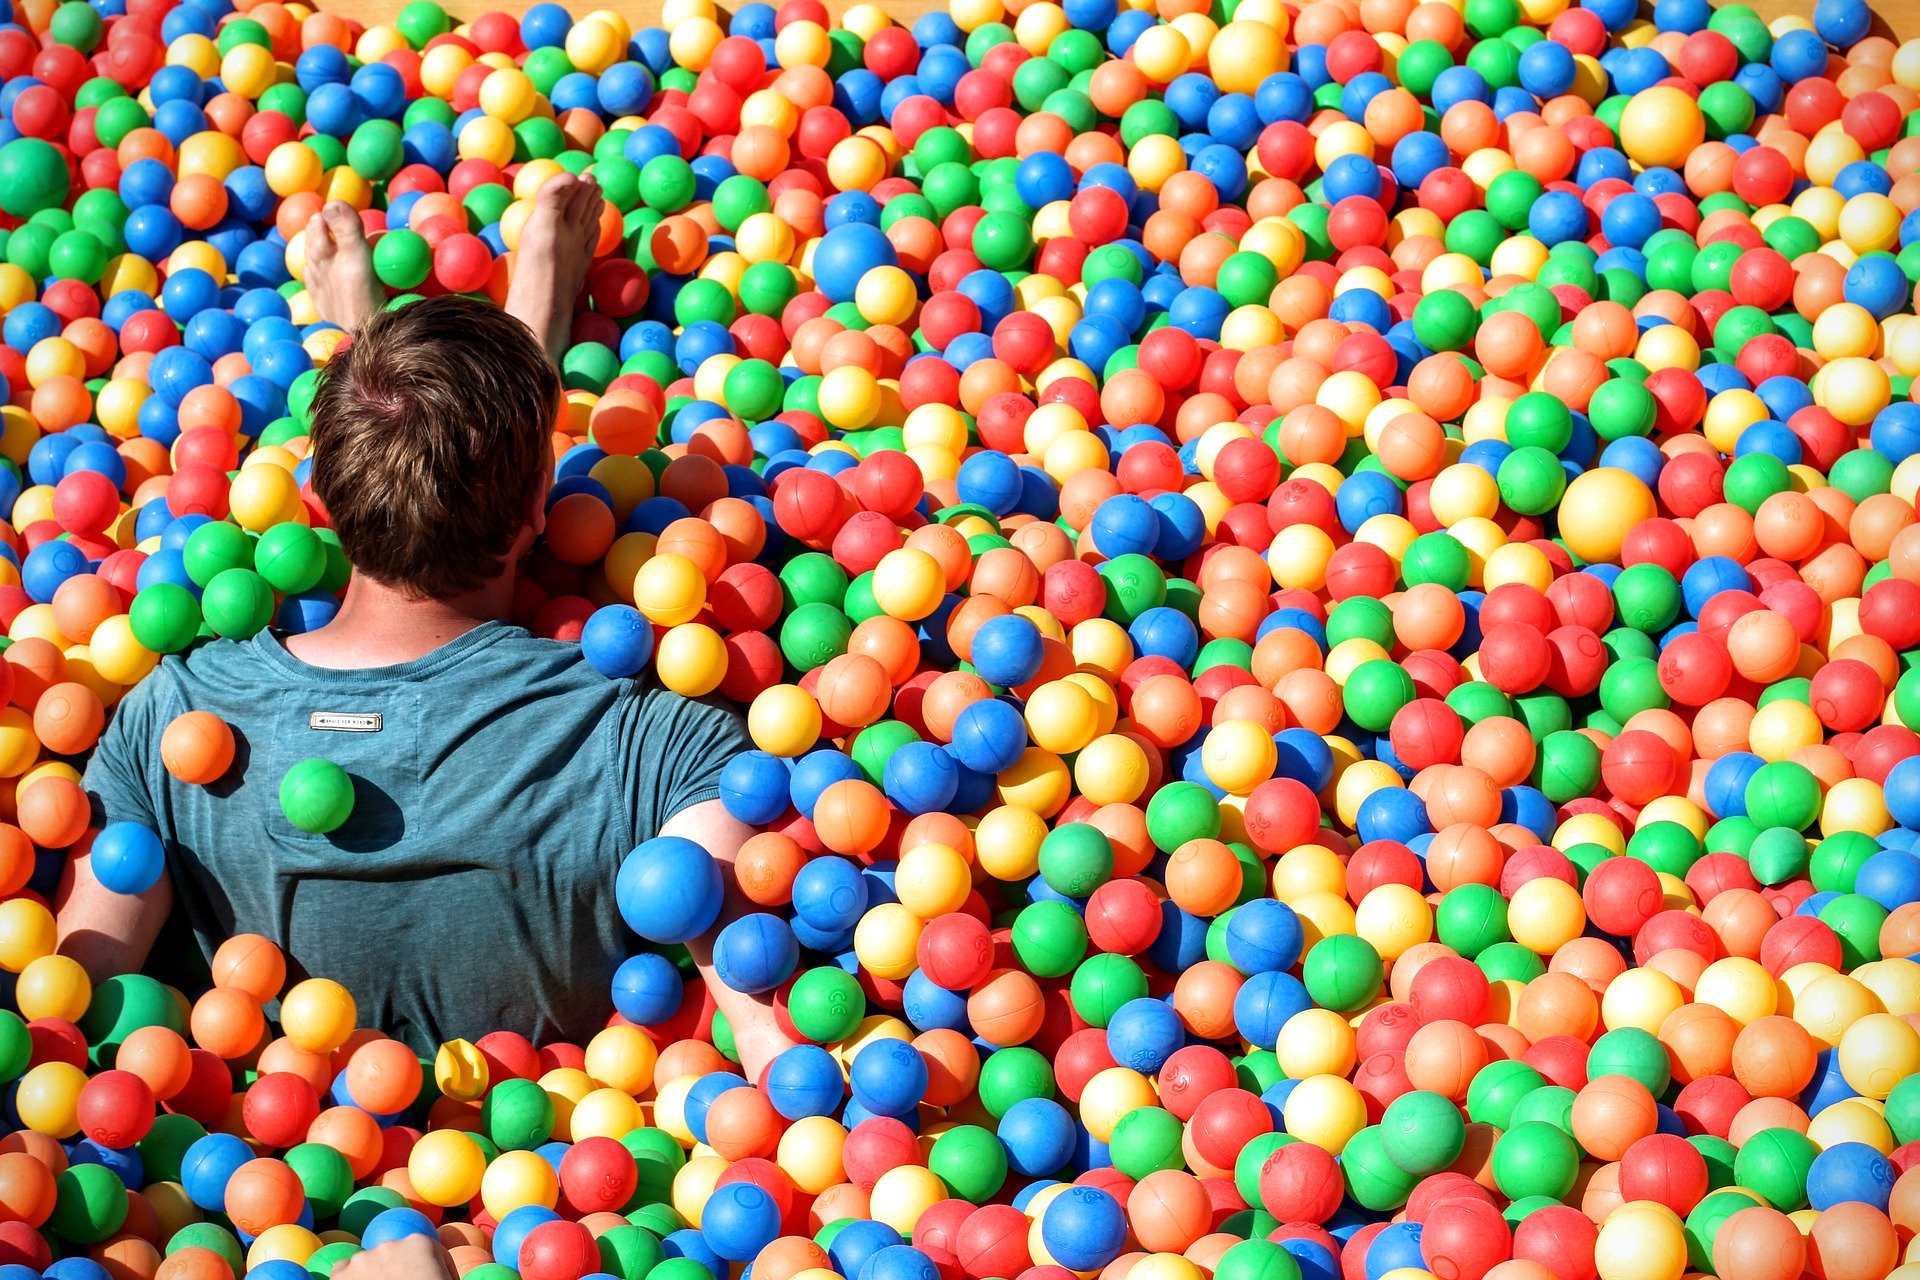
498	782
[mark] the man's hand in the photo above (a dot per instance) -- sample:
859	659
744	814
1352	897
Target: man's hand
408	1258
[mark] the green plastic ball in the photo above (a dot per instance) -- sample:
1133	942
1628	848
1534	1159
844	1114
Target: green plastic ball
1012	1075
971	1161
165	617
237	604
1049	939
33	176
1076	859
1422	1132
826	1004
1342	973
90	1204
1783	794
1535	1159
316	796
1774	1162
291	557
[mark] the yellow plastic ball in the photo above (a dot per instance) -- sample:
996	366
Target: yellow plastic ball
849	397
885	939
1239	755
47	1097
1110	1095
117	655
445	1167
1112	769
885	295
516	1179
488	138
693	1183
1641	1240
1640	998
1851	1120
1599	509
932	880
27	933
283	1242
1877	1052
1298	557
318	1015
605	1113
595	44
908	584
1855	804
1545	914
622	1058
809	1153
262	497
211	152
1315	1042
248	70
799	44
509	94
1325	1110
784	720
1832	1003
53	987
670	590
1854	389
1007	842
1661	126
1062	717
1738	987
903	1193
1162	54
1461	491
1393	918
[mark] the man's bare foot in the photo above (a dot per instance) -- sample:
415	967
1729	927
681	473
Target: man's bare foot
340	267
408	1258
758	1043
550	264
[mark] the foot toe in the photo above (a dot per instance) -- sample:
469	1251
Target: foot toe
319	239
557	192
342	221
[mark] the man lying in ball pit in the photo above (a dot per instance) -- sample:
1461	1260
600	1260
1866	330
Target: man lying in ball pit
497	781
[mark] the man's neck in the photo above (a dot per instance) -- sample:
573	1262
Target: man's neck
380	626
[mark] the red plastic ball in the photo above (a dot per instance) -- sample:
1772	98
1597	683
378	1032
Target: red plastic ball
1300	1183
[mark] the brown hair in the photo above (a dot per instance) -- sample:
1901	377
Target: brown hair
430	433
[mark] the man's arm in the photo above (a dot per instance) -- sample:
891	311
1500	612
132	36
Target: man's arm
107	932
756	1035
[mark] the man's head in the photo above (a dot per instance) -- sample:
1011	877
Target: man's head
431	441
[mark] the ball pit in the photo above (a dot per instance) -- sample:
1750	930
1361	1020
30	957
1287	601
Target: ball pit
1326	596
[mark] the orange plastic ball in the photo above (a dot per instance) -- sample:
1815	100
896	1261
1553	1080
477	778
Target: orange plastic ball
197	747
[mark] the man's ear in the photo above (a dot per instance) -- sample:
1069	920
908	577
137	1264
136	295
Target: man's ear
537	502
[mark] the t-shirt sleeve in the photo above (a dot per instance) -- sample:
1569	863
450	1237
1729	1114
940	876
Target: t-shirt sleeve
671	751
118	776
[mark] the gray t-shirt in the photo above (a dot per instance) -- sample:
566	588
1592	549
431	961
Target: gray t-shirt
472	889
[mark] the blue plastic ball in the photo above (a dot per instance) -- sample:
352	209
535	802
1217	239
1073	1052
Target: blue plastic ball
1084	1228
755	953
647	988
739	1220
617	640
669	890
888	1077
128	858
805	1081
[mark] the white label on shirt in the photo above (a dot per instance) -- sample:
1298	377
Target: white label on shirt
345	721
